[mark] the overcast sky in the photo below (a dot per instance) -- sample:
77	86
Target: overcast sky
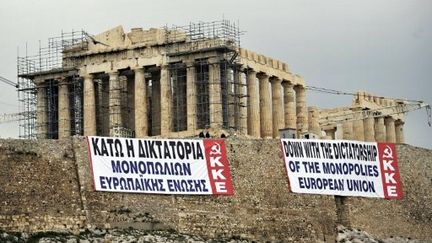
383	47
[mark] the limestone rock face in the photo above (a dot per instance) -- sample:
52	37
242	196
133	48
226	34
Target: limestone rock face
47	185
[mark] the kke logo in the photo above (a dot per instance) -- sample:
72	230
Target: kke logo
218	167
390	171
388	153
215	149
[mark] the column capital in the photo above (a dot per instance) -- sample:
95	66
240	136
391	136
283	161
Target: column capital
239	67
299	87
137	69
113	73
122	77
62	80
388	119
38	81
399	122
40	85
190	65
214	60
275	80
262	75
190	68
287	84
87	75
249	69
164	66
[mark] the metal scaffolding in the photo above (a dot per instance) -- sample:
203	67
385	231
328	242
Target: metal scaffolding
48	59
222	38
179	96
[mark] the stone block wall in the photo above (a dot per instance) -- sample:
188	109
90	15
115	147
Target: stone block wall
38	186
58	173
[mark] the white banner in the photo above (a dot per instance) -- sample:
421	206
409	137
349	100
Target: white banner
341	167
161	166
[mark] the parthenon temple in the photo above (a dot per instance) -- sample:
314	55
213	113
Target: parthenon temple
178	82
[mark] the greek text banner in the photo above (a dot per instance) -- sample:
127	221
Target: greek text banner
160	166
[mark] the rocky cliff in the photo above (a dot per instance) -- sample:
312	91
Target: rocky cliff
47	186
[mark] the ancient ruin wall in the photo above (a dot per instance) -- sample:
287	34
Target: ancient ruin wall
262	207
39	186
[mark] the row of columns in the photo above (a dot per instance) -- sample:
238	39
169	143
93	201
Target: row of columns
161	97
380	129
64	112
115	107
89	107
272	103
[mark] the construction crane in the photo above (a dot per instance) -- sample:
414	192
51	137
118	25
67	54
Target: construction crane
401	107
7	81
10	117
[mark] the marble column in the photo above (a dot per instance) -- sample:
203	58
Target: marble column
380	133
369	129
165	101
400	138
89	106
232	98
124	104
301	110
390	129
358	127
313	121
215	97
277	106
191	97
242	103
115	112
289	105
41	115
330	133
265	106
64	120
253	107
347	130
338	131
130	104
140	100
235	116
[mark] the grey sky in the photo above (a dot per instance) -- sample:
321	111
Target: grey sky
383	47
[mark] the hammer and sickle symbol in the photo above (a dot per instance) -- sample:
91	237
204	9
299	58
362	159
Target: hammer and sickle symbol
215	149
388	153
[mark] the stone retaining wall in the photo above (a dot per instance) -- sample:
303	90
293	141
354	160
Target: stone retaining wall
49	182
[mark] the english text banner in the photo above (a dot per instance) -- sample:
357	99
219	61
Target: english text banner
342	167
